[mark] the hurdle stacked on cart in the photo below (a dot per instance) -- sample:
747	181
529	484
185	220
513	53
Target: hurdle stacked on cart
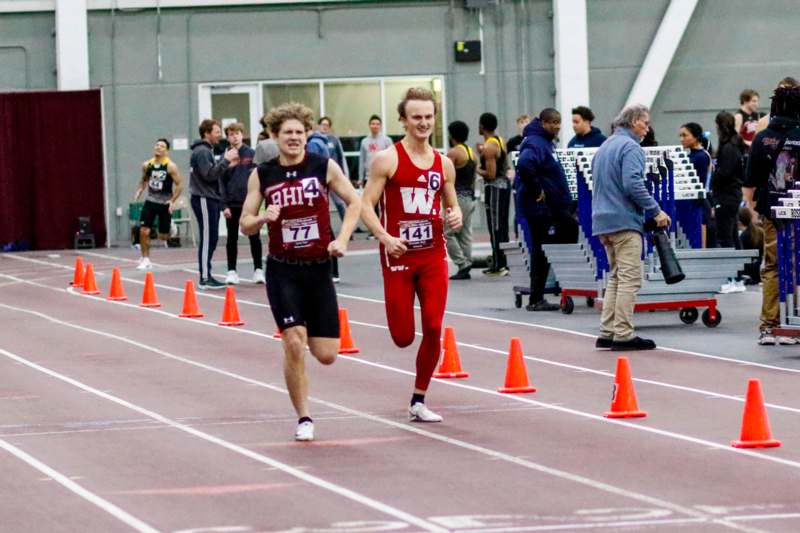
580	269
788	213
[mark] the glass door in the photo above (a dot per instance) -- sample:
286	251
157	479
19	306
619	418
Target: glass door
233	103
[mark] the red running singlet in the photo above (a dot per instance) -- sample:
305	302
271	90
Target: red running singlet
411	210
303	229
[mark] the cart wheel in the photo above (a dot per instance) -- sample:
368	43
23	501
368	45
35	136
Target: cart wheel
589	302
517	300
688	315
569	306
707	320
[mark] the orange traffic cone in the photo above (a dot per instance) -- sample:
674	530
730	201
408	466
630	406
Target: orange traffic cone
190	307
346	344
230	312
89	284
277	334
77	277
516	374
117	292
451	362
623	402
149	297
755	426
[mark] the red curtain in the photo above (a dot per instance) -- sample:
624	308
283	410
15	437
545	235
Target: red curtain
51	167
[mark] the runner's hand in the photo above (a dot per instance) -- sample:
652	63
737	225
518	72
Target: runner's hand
227	212
170	206
394	246
273	212
337	248
453	219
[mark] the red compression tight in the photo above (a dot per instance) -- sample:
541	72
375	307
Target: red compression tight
428	281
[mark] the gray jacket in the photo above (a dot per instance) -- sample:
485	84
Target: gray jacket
205	173
620	199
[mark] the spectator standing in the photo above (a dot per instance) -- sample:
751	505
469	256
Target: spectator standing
691	137
516	140
727	179
747	115
771	164
459	242
371	145
788	81
649	138
497	190
336	152
543	199
233	188
206	199
620	203
586	135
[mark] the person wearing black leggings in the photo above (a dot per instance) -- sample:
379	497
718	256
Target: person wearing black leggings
726	182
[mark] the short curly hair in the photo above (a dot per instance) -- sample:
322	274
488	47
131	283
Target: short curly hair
289	111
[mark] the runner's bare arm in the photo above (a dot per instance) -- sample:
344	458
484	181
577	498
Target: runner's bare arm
490	154
383	166
251	221
340	185
449	199
142	182
177	179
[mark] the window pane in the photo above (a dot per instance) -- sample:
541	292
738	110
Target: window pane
232	107
303	93
396	89
349	105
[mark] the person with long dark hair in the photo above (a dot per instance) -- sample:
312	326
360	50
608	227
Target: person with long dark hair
691	136
726	182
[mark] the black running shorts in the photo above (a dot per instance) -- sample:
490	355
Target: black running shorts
302	294
150	211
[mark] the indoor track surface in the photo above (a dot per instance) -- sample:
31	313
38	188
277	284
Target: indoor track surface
114	417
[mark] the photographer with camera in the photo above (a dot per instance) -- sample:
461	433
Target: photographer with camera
620	205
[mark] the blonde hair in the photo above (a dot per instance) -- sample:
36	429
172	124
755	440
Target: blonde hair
290	111
416	93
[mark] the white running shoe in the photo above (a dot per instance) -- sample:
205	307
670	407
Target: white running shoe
258	276
144	264
739	286
420	413
304	431
766	339
232	278
786	341
728	287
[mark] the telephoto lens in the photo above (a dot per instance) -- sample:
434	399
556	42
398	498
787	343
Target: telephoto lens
670	267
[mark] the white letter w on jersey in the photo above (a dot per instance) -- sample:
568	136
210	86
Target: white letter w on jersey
417	200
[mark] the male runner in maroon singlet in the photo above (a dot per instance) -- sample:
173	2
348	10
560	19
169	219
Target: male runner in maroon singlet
299	284
413	182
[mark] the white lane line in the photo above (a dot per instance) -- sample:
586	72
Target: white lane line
94	499
261	458
512	397
587	370
605	487
585	526
476	317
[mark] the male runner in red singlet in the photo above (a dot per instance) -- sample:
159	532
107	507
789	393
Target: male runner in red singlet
299	284
413	182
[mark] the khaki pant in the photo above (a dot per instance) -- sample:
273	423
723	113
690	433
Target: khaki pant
624	250
770	307
459	243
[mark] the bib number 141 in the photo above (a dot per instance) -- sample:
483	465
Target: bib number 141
418	233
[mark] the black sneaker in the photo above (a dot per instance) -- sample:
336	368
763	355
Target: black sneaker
542	305
604	343
636	343
210	284
462	274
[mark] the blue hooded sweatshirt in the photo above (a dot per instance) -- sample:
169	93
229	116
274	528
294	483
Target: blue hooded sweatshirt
538	169
593	139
